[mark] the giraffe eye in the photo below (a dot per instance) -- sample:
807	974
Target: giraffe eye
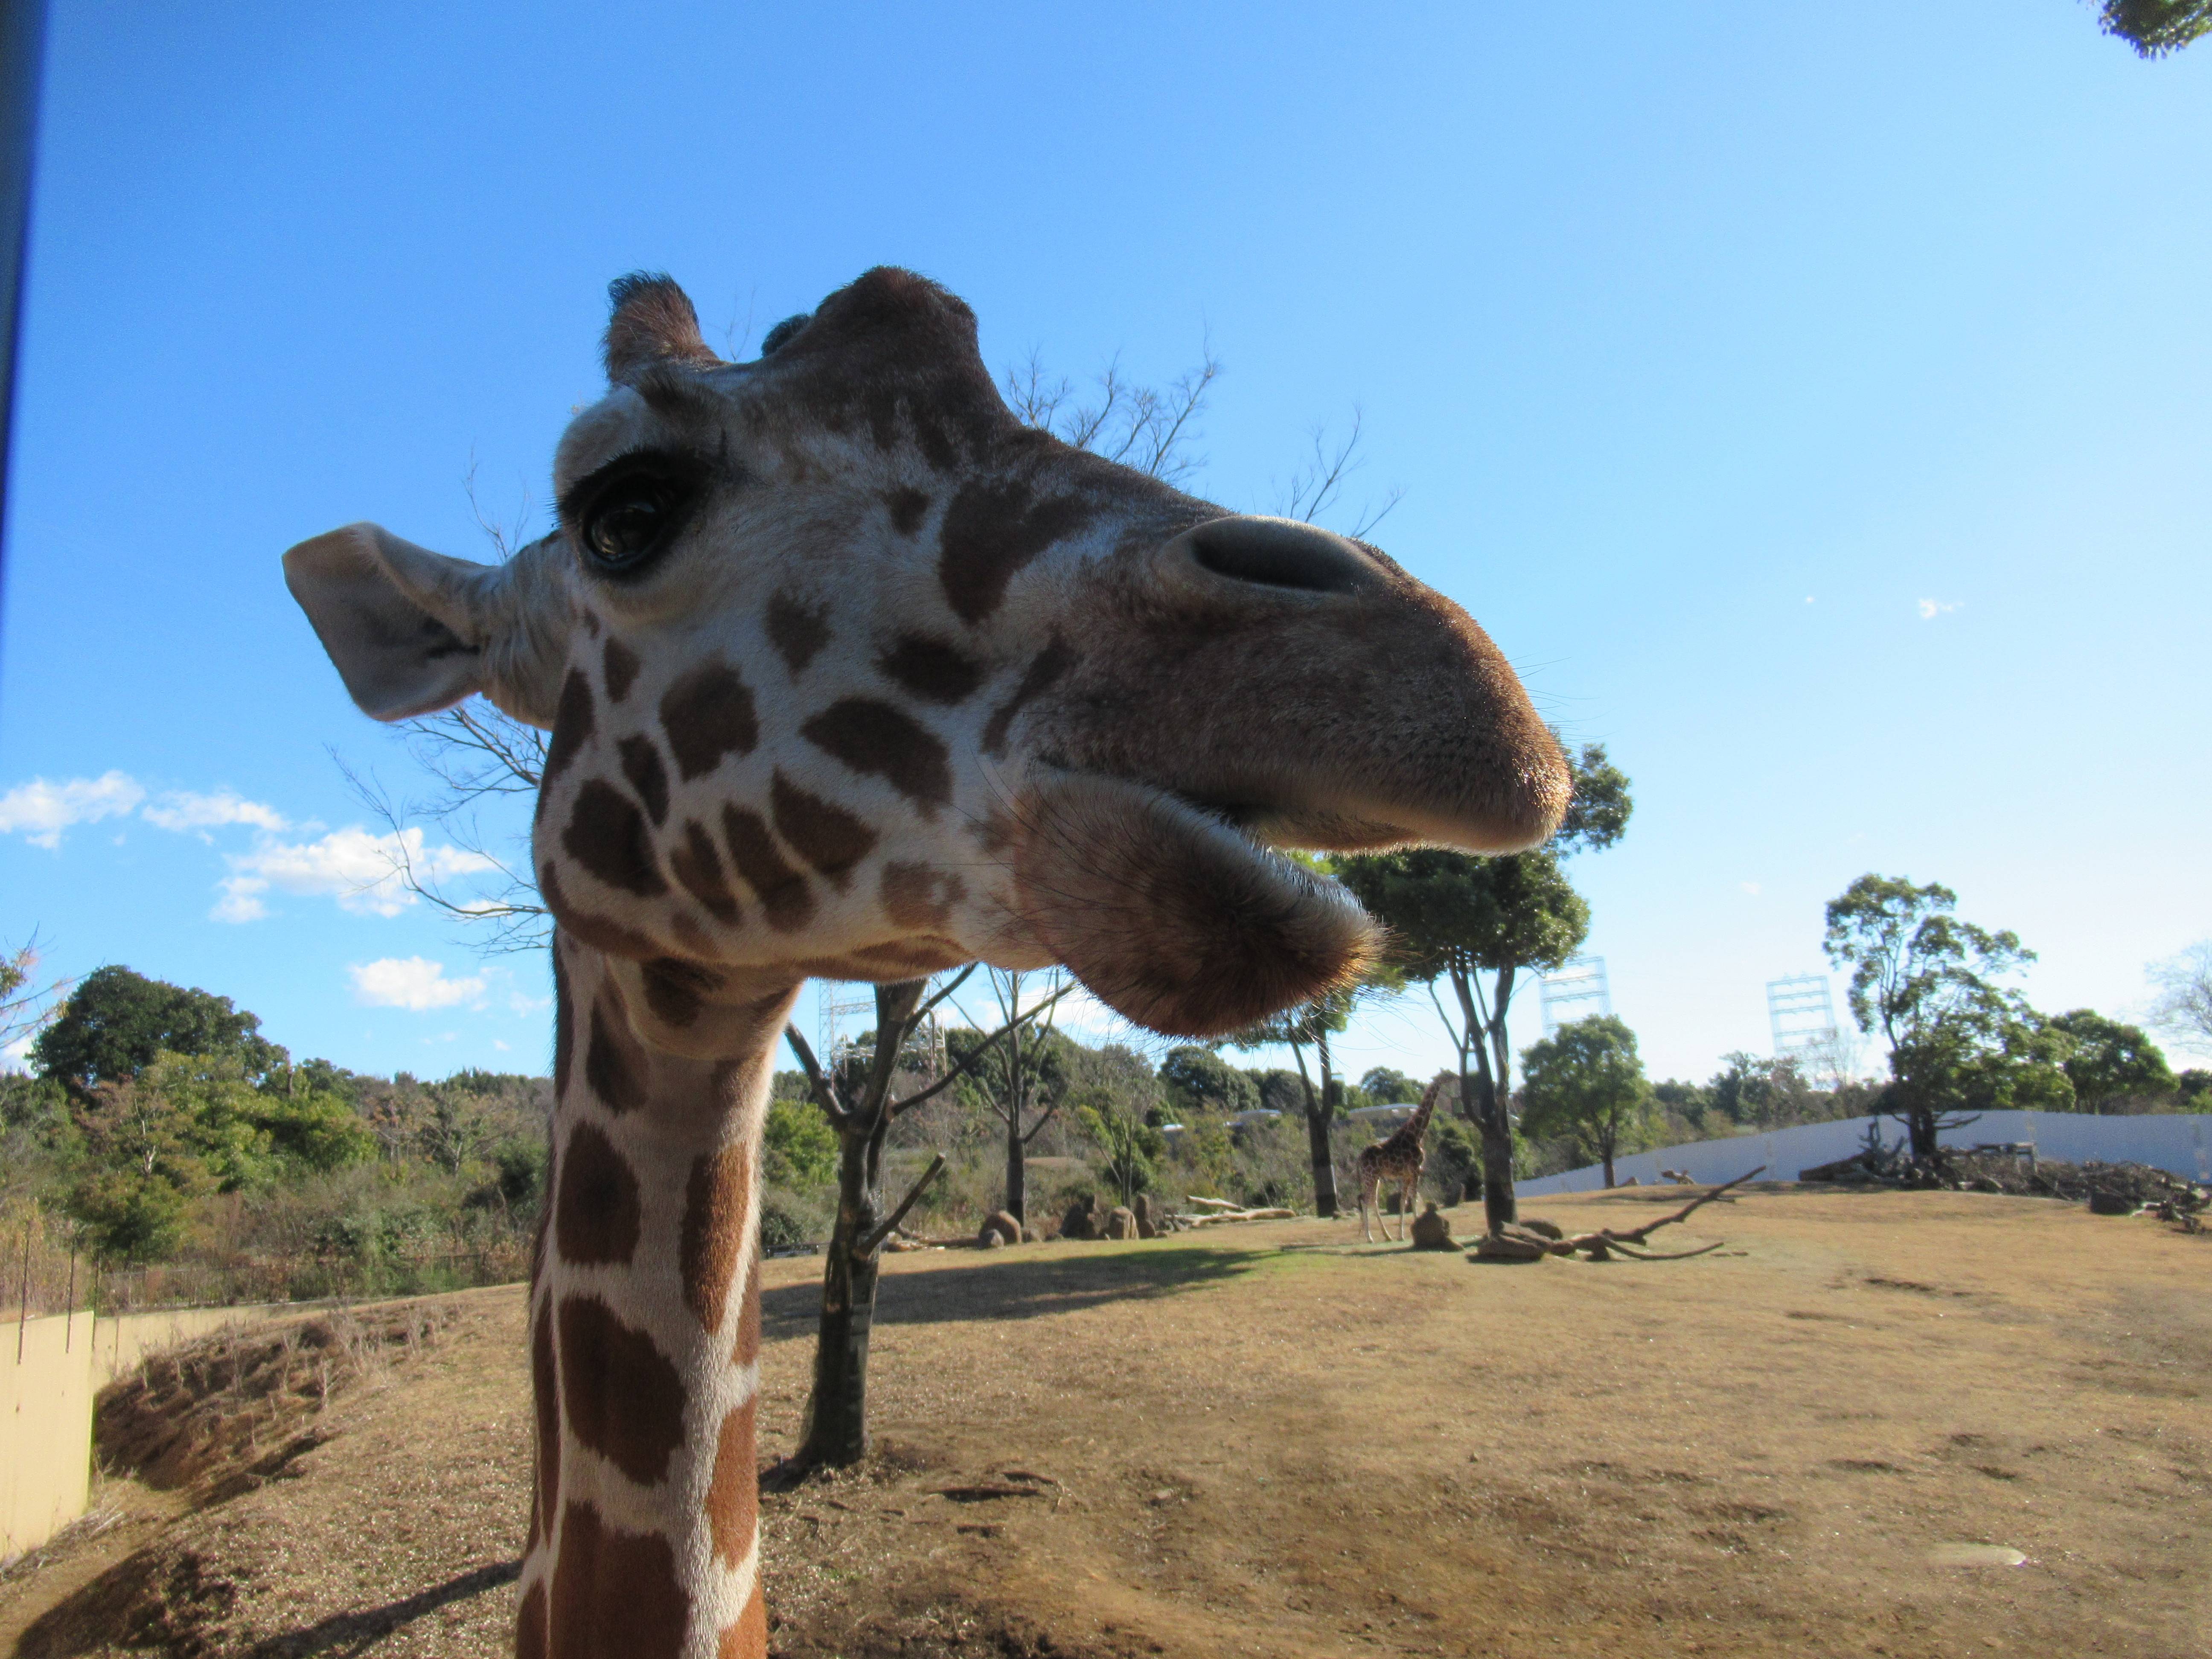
634	519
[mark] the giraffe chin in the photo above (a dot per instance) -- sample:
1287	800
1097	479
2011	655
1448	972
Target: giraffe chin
1171	917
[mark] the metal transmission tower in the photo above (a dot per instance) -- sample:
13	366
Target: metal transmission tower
1571	989
1804	1018
838	1002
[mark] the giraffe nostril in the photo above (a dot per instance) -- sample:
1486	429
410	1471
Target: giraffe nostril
1281	553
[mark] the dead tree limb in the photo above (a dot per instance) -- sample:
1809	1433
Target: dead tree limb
1604	1242
875	1240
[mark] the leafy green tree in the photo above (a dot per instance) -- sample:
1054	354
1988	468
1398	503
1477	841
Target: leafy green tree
2107	1062
1586	1081
1130	1149
1926	982
1477	925
140	1172
799	1149
1384	1085
1310	1025
117	1021
1686	1101
2155	27
1753	1091
1198	1079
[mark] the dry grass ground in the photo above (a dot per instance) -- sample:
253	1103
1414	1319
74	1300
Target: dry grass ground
1269	1440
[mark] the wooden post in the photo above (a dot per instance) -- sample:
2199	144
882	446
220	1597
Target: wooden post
23	1311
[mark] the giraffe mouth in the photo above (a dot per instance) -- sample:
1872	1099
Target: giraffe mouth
1172	912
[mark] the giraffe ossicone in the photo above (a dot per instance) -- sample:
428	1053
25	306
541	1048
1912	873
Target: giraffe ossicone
849	674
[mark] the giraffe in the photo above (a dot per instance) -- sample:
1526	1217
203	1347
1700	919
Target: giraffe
1396	1160
850	674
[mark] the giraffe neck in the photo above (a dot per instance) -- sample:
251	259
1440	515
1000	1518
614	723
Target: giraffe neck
645	1334
1418	1125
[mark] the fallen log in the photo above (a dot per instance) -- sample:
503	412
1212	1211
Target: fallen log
1605	1243
1214	1216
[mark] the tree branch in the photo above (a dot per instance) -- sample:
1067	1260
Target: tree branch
825	1096
874	1241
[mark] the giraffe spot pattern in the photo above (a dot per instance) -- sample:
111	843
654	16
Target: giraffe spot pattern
545	1392
878	740
932	669
573	724
786	898
595	930
596	1211
747	1638
797	630
641	764
615	1592
746	1349
614	1066
827	837
564	1027
620	665
620	1394
991	530
708	714
716	1202
915	896
733	1496
908	507
530	1621
676	990
606	834
698	866
1049	665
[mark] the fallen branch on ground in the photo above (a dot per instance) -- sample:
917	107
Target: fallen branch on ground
1604	1241
1212	1217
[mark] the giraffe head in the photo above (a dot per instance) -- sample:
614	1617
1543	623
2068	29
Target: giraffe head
850	674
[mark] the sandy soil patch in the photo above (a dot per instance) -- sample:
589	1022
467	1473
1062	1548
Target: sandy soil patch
1828	1438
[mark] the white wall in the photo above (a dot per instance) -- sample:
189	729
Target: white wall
2179	1142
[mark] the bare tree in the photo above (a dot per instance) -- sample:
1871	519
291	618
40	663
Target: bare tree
857	1099
1023	1038
1318	483
25	1006
1151	428
2184	1008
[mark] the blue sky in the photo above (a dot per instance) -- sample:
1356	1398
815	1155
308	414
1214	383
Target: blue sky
1807	398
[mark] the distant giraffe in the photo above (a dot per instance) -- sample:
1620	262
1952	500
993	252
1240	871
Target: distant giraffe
850	675
1397	1160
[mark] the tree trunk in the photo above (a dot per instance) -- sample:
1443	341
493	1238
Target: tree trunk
1016	1147
1317	1147
837	1428
1607	1157
1490	1115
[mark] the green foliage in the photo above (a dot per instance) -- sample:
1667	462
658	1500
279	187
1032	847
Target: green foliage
1598	815
1913	962
2193	1090
1587	1082
2108	1062
1130	1149
2155	27
1279	1089
1451	910
1197	1080
798	1147
1454	1157
1384	1085
116	1021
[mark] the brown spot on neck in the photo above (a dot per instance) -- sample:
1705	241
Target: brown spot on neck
595	1209
545	1392
620	1395
797	630
733	1498
991	530
586	928
1049	663
717	1209
931	669
564	1026
621	665
573	721
615	1592
919	898
676	990
827	837
876	739
615	1064
786	897
908	507
698	866
641	764
607	835
707	712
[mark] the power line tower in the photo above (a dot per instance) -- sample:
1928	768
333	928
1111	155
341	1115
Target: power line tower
836	1005
1804	1019
1575	989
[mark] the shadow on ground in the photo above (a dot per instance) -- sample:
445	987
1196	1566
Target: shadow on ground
1000	1287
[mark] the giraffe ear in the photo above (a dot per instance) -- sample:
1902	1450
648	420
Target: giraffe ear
411	631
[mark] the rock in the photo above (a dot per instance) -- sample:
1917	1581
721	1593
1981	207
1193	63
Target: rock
1120	1223
1081	1221
990	1240
1031	1236
2111	1204
1146	1229
1537	1225
1632	1180
1502	1247
1432	1232
1000	1225
1141	1207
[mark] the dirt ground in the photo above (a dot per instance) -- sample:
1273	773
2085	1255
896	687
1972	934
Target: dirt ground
1824	1439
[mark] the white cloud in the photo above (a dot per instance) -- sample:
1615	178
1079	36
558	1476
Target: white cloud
1931	609
1750	887
43	809
361	871
411	982
185	809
